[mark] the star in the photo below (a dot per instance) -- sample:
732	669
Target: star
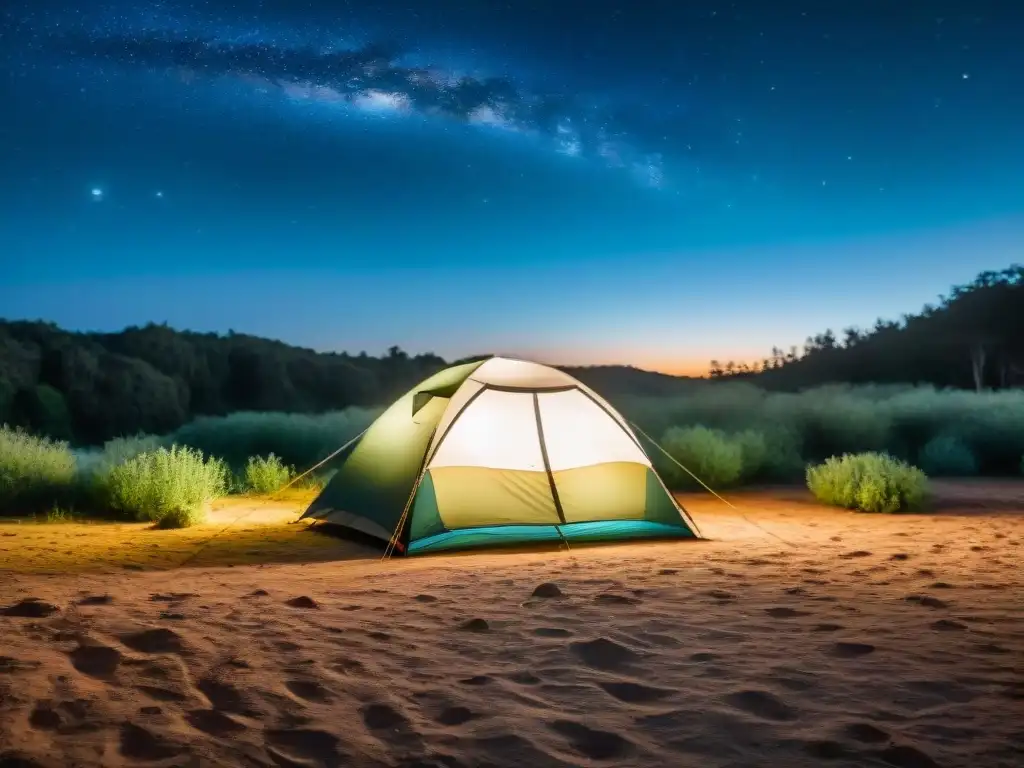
965	76
97	193
159	194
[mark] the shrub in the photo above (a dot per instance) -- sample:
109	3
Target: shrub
266	474
181	517
35	472
868	482
299	440
948	456
830	421
709	453
149	486
121	449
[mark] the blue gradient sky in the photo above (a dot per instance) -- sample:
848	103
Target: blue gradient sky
656	185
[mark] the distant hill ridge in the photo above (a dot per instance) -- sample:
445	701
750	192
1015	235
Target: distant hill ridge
90	387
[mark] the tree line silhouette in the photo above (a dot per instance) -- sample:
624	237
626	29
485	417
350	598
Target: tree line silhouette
972	339
90	387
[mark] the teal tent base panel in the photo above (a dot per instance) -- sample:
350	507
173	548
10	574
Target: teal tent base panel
513	535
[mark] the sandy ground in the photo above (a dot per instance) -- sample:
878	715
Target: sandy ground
813	636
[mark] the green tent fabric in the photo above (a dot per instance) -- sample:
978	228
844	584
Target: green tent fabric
499	452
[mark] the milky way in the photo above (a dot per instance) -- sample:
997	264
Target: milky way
376	77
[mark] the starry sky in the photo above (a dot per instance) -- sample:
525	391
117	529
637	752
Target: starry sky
656	183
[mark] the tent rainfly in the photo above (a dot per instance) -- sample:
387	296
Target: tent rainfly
499	452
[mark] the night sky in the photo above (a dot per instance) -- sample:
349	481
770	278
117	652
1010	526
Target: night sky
653	182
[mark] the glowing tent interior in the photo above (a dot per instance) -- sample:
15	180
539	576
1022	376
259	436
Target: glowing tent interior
499	452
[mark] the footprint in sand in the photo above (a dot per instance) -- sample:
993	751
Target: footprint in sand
224	696
927	601
610	598
721	595
30	608
782	612
948	625
635	693
138	743
826	627
848	650
552	632
96	600
477	680
213	722
171	597
603	653
347	667
591	743
162	694
305	746
866	733
310	690
455	716
524	678
906	756
762	704
44	718
95	660
158	640
383	717
992	648
825	749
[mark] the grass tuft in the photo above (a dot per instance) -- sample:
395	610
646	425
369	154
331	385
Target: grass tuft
266	474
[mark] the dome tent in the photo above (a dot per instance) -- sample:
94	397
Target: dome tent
499	451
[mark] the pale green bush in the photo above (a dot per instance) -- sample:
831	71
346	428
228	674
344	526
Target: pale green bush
829	421
868	482
298	439
710	454
168	480
36	473
265	474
